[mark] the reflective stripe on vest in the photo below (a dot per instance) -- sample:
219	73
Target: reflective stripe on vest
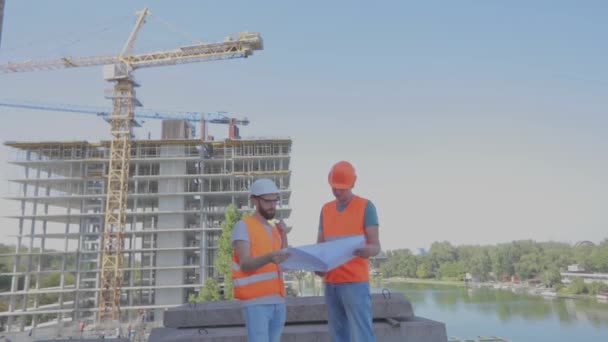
266	280
340	224
331	238
255	278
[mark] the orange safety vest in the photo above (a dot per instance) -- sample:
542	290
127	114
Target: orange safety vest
349	222
266	280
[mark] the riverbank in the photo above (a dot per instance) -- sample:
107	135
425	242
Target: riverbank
522	288
423	281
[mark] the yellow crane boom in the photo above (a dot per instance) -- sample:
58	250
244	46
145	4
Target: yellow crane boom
118	69
240	45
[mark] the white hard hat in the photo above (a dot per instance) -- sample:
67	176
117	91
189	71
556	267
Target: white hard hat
263	186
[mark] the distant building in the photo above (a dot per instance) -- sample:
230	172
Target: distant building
576	268
505	278
473	278
588	278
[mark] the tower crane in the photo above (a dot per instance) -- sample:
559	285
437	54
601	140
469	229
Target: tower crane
201	118
118	69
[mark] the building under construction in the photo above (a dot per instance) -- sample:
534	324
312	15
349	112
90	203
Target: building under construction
179	188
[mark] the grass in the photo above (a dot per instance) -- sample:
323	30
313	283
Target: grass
424	281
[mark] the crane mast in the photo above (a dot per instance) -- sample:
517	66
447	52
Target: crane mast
124	101
116	201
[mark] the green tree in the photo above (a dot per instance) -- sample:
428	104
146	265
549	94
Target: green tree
551	277
399	263
422	272
596	287
223	263
482	264
5	281
526	258
452	270
502	264
599	257
410	265
54	279
441	253
528	266
476	260
582	255
209	293
556	255
577	286
6	266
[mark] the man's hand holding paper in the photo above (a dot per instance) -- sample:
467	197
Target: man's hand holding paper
324	256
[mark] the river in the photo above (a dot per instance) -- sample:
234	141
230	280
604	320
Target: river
469	313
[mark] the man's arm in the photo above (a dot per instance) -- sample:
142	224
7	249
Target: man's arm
282	228
372	248
250	264
320	238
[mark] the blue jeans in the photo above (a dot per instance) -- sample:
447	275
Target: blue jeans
264	322
349	312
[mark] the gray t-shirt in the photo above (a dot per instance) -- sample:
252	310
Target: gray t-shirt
240	233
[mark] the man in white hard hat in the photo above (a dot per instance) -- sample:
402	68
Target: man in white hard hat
256	274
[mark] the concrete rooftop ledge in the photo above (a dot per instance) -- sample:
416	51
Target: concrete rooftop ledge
299	310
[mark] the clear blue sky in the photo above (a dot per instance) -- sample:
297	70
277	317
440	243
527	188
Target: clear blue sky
469	121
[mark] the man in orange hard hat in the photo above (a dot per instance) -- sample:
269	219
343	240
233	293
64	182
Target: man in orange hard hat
256	276
347	293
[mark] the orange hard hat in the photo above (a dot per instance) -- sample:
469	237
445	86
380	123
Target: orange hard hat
342	175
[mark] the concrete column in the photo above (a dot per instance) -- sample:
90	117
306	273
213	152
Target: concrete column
170	221
203	215
15	278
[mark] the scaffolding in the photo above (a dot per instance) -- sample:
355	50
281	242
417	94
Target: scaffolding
178	192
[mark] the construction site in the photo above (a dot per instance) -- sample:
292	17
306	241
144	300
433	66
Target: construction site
137	221
119	239
469	162
179	188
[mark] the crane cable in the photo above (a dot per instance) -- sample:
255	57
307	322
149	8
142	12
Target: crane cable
175	29
80	36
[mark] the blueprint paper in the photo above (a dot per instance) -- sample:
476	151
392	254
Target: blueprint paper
323	256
